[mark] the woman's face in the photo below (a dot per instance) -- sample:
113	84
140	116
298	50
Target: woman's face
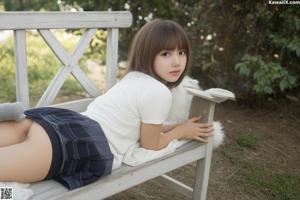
170	64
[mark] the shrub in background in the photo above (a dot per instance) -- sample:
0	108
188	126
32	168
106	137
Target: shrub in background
249	47
42	66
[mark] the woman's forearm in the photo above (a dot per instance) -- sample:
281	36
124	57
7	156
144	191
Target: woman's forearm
170	135
169	127
156	137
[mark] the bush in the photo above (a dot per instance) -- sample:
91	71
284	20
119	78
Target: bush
42	67
265	78
252	43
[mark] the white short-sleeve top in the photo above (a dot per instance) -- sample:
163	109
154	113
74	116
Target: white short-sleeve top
137	98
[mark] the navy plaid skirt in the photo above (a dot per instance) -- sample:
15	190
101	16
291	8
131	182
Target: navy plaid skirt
81	154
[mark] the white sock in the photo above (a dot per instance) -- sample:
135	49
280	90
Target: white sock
11	111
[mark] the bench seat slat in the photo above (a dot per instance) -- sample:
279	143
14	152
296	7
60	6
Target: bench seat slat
124	177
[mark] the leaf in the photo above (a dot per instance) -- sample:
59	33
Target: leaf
283	84
243	69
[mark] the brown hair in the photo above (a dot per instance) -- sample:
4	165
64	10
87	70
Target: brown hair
152	38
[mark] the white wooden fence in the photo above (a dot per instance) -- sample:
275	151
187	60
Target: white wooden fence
125	177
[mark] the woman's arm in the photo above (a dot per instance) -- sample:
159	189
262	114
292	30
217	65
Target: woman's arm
167	127
151	137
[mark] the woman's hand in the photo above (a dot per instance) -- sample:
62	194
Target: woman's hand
196	131
151	137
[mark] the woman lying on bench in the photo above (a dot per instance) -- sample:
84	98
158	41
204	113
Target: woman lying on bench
76	149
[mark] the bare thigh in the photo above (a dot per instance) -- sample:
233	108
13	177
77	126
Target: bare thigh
28	161
12	132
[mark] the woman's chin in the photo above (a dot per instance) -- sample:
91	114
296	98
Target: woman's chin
173	79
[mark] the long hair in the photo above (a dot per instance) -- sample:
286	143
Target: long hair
152	38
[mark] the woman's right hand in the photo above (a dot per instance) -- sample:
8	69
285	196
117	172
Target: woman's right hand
191	129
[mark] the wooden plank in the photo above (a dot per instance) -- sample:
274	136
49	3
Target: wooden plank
56	47
206	108
202	175
85	81
62	20
54	87
111	57
76	105
83	43
177	186
125	177
71	61
22	92
46	190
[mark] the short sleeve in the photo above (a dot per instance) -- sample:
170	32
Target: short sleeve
154	104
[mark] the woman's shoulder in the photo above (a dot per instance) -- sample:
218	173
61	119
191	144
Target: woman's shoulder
149	86
145	81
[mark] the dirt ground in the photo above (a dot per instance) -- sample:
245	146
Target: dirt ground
260	157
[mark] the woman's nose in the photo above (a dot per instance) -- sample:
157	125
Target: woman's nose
176	60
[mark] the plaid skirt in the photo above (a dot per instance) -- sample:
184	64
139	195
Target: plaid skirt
81	154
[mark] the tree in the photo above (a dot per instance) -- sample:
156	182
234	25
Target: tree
29	5
248	42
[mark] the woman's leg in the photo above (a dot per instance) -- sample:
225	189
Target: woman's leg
28	161
12	132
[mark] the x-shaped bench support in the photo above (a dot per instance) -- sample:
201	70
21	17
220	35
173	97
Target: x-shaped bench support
70	65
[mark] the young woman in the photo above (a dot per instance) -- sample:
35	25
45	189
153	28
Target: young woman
78	148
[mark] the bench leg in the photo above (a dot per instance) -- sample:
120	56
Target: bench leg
202	175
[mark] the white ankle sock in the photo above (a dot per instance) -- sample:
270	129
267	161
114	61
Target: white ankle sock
12	111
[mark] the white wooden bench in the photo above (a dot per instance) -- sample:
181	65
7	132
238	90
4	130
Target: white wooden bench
126	176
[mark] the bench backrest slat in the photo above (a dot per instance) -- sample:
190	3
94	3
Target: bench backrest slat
62	20
20	22
111	57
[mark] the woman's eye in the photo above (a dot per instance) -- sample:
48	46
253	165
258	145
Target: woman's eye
165	54
182	53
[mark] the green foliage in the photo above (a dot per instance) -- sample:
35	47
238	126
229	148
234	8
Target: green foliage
266	78
42	67
259	47
97	48
251	42
7	75
21	5
232	41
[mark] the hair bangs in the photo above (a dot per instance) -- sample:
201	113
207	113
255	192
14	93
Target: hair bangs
175	41
172	37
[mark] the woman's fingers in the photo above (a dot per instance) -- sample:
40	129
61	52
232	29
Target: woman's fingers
206	130
201	139
204	125
207	134
194	119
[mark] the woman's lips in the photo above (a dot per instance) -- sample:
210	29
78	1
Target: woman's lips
175	73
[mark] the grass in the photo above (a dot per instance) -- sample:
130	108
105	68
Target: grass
253	176
247	140
262	183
